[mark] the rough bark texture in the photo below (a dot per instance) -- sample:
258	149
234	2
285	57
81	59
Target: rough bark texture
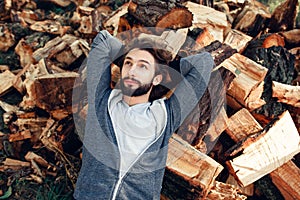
284	16
280	65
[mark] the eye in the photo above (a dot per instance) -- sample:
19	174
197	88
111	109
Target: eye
127	62
143	66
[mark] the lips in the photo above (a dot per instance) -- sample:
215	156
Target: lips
131	81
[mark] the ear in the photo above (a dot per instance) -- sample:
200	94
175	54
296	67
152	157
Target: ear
157	79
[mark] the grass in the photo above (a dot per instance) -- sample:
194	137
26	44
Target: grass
50	189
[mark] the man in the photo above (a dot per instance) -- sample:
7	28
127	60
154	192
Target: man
128	129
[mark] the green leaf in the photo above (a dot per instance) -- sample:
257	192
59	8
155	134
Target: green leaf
7	193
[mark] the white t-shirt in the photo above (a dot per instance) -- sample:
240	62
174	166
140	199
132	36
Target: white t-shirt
136	127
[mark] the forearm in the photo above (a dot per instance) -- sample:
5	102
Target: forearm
195	71
104	50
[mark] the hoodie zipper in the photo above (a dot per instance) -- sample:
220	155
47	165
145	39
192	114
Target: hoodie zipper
121	177
117	186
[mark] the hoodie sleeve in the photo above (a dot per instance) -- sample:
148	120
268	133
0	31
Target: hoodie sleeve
195	71
104	49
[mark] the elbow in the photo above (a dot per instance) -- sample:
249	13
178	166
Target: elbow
209	61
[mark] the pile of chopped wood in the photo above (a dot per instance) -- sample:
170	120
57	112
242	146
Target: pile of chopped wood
241	141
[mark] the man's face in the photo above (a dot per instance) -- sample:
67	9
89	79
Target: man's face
137	75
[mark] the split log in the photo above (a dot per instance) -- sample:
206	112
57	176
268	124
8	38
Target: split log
265	151
248	190
7	38
237	40
49	26
219	51
28	44
206	17
38	159
30	72
273	40
249	76
111	24
50	92
254	99
86	20
5	168
7	80
35	125
223	6
162	14
173	39
204	39
222	191
280	64
55	45
13	162
26	17
22	135
56	49
3	68
291	37
34	71
241	125
189	173
70	54
198	40
251	19
284	16
175	19
85	10
286	93
25	52
287	180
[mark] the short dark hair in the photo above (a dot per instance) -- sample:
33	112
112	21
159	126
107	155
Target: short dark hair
162	58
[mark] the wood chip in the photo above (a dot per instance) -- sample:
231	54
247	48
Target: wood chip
13	162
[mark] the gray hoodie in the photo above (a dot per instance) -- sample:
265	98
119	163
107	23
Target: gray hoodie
99	175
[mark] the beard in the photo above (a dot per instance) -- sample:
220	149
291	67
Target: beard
141	90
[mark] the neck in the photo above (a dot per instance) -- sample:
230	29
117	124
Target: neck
131	101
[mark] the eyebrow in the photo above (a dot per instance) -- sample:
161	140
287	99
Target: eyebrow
129	58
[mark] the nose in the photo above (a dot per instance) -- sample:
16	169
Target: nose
132	70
